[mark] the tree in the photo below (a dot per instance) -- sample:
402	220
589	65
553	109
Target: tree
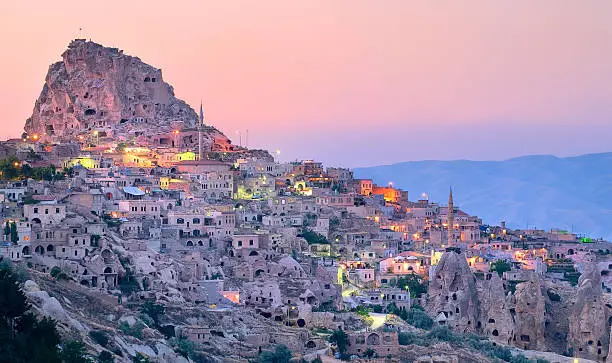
140	358
418	318
184	347
7	229
313	237
14	234
74	352
500	266
340	338
105	357
414	283
281	354
23	338
369	353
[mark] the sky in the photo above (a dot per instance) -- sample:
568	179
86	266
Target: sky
349	82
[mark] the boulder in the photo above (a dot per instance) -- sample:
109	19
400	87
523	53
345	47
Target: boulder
51	307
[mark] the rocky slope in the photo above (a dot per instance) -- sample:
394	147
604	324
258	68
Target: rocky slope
95	88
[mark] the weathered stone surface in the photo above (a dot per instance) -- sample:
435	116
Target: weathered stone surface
588	329
495	320
102	89
452	291
527	306
50	306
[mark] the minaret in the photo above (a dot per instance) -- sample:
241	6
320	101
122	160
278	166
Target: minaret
200	130
450	219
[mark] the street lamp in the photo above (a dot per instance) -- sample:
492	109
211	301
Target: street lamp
176	132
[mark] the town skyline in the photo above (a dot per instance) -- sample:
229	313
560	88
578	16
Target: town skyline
341	76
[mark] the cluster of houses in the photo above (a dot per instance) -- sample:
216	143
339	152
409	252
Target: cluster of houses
294	242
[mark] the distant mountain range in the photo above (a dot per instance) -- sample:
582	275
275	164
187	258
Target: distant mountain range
542	191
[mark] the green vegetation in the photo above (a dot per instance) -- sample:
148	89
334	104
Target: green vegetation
313	237
572	277
99	337
413	282
128	283
501	266
140	358
11	168
105	357
552	295
24	338
10	231
58	274
153	310
94	240
369	353
183	346
281	354
483	346
134	330
415	316
75	352
341	339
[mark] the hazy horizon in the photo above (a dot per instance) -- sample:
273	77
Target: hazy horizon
350	83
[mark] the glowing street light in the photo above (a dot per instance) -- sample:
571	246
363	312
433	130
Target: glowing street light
35	137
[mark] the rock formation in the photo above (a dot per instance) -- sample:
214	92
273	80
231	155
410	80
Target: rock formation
452	292
527	307
588	329
495	320
99	90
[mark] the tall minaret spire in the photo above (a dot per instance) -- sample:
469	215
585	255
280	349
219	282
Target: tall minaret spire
201	114
200	130
450	219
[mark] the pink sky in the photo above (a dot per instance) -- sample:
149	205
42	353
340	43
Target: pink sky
353	82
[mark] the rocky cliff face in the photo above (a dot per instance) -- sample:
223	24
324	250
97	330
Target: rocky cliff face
588	323
527	306
95	88
452	291
495	321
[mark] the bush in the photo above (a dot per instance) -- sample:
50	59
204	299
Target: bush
99	337
153	310
281	354
134	330
105	357
75	352
501	266
313	237
553	296
183	346
58	274
406	338
444	334
417	318
341	339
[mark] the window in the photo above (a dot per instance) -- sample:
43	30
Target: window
180	221
35	210
57	210
196	221
250	242
239	243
